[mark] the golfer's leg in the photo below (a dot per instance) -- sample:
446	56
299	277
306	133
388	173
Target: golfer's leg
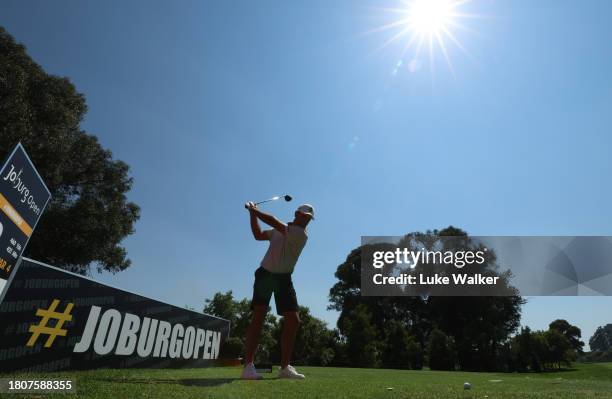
254	331
290	326
262	292
287	306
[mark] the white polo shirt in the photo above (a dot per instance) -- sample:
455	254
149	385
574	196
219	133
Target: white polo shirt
284	249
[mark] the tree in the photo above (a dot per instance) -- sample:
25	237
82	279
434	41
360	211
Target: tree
414	353
363	349
602	339
521	350
596	357
529	350
400	349
479	325
440	351
345	296
538	350
572	333
560	350
223	305
314	342
239	314
89	214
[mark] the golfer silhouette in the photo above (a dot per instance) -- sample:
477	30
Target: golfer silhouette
274	277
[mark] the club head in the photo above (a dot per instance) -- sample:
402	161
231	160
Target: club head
288	198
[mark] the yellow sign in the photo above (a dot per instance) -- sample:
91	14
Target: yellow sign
12	214
43	328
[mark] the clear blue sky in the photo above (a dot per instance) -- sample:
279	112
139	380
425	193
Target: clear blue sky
213	103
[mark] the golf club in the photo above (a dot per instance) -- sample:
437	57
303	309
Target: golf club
286	197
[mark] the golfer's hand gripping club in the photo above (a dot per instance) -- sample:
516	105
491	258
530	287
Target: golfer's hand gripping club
253	205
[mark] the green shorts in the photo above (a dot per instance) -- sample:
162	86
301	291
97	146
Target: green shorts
267	283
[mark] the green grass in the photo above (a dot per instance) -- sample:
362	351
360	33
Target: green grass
585	381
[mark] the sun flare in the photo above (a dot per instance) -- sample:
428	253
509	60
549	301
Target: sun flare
426	23
429	17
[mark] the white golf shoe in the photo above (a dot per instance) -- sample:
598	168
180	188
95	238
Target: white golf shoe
250	373
290	372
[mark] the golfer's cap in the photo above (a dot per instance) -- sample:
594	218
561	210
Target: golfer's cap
306	209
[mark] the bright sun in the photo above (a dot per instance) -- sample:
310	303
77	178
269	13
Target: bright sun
429	17
427	23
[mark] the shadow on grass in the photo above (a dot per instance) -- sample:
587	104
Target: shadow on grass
191	382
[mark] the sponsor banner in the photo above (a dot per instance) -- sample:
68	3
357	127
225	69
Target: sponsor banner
52	320
23	198
430	265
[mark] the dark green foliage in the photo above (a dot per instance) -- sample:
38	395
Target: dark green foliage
540	350
361	338
572	333
602	339
560	350
414	352
400	349
522	351
479	326
440	351
89	214
239	314
596	357
314	343
601	345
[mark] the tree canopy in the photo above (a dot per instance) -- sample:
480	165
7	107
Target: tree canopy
89	214
572	333
602	339
477	326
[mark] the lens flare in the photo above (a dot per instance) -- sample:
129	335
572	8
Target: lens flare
426	23
429	17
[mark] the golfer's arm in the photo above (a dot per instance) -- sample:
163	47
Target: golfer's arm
271	221
257	233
